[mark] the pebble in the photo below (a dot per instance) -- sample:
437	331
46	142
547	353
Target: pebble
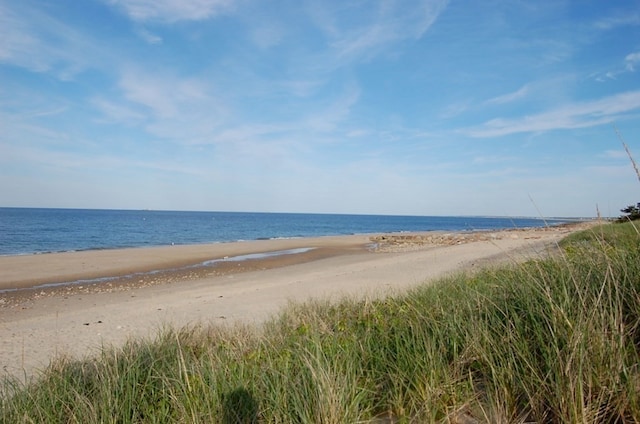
412	242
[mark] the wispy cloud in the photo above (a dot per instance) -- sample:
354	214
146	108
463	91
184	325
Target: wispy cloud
378	27
181	109
78	161
17	40
577	115
116	112
40	43
172	10
629	65
615	21
148	36
492	160
334	112
266	36
455	109
510	97
426	15
302	88
245	135
364	42
615	154
165	96
631	60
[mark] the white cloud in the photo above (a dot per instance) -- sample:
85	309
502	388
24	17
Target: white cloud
266	36
389	22
183	110
164	95
49	157
172	10
117	112
341	34
246	133
148	36
153	93
631	60
492	160
615	154
455	109
613	22
40	43
510	97
610	75
364	41
334	113
358	132
577	115
426	15
302	88
17	42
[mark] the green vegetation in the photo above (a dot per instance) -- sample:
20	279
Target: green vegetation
553	340
631	213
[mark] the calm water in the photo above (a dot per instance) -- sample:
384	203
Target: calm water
27	231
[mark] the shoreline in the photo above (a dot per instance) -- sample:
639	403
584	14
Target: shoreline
28	272
544	223
146	274
97	249
44	271
28	278
37	326
76	230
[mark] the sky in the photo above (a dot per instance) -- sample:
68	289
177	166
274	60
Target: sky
403	107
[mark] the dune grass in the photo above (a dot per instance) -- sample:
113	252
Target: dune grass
551	340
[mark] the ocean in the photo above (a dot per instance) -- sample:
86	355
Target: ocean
32	230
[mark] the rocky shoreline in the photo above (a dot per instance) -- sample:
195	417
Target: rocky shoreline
385	243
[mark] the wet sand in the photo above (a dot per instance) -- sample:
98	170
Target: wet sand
142	290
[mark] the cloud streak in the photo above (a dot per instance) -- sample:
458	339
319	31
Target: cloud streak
39	43
577	115
509	97
616	21
149	37
390	22
165	96
169	11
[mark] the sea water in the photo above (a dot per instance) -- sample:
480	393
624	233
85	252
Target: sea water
32	230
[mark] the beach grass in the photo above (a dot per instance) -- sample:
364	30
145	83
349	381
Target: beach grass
549	340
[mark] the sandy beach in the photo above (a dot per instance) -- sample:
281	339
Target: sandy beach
119	294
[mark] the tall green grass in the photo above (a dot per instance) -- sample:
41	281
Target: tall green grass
552	340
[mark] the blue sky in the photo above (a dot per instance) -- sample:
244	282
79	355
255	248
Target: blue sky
430	107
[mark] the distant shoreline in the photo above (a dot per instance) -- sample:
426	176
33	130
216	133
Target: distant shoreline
556	222
23	274
26	231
